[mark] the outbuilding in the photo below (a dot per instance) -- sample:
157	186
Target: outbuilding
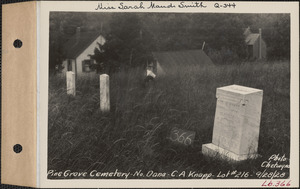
256	46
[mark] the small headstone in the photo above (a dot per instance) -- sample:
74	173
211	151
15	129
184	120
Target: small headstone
181	136
71	87
236	124
104	93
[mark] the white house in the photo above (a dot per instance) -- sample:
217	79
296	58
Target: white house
78	49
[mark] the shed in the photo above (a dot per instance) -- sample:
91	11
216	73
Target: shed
256	46
78	50
168	59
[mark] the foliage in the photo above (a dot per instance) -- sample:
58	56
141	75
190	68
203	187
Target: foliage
131	37
133	135
280	45
63	26
275	32
125	44
223	56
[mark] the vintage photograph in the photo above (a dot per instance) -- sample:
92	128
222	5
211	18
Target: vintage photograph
163	95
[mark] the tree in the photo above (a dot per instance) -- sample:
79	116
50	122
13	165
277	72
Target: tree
131	37
63	26
280	44
275	32
125	46
55	42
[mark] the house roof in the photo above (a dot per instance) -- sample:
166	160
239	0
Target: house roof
251	38
74	47
186	57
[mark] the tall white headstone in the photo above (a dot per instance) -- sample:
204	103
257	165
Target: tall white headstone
237	123
104	93
71	87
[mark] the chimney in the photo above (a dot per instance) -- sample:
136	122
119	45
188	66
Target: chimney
77	34
260	39
247	31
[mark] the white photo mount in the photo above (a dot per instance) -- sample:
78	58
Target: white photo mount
25	92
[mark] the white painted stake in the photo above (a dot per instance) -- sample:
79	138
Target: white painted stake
71	87
203	45
104	93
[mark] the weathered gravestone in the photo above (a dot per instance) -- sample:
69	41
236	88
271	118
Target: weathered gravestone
71	87
236	124
104	93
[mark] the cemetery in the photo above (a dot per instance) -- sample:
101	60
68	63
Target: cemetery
169	95
200	119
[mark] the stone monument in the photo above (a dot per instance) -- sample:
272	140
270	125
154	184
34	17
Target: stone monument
236	124
71	87
104	93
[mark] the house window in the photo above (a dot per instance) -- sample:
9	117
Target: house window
87	65
69	65
150	67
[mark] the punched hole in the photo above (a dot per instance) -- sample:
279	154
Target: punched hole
17	43
18	148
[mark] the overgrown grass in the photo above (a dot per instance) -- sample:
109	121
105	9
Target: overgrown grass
134	135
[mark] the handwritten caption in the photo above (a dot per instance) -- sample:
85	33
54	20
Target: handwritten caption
275	167
271	183
158	5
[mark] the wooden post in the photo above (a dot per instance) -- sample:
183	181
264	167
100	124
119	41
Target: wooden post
260	38
75	69
203	45
71	87
104	93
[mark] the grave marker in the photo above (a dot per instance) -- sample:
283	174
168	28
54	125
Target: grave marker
236	124
104	93
71	87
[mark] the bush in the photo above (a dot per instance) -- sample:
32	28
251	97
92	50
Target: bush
224	56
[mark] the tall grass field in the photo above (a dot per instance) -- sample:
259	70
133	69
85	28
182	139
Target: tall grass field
134	135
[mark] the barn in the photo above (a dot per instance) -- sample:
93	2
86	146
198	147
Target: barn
256	46
78	49
167	59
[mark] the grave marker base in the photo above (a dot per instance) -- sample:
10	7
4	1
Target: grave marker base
212	150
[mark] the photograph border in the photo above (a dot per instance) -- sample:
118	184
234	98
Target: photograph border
44	9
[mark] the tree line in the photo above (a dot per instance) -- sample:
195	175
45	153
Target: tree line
131	37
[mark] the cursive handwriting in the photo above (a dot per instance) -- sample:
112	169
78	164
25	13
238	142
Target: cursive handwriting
191	5
102	7
149	5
